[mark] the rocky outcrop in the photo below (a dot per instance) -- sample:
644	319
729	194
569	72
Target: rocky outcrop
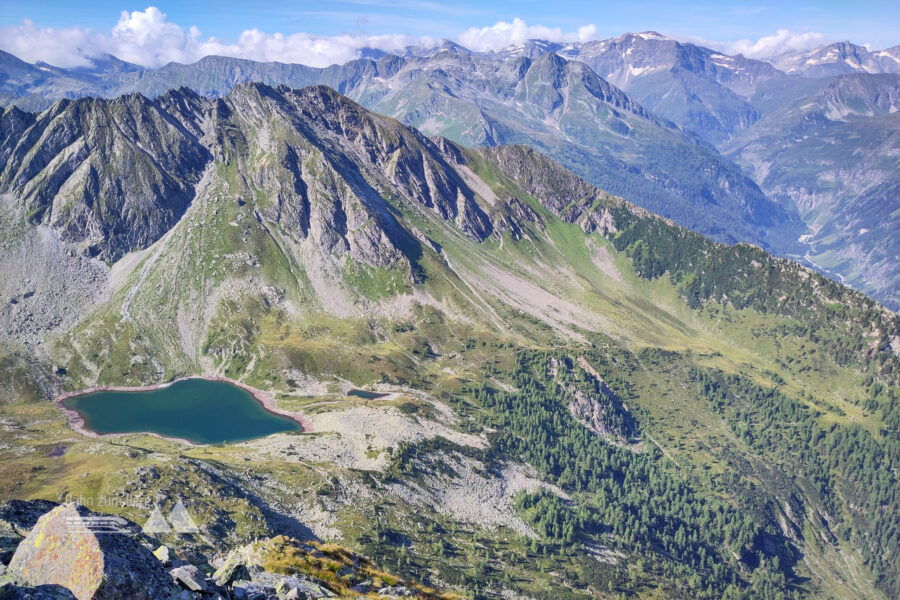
62	549
598	408
109	175
11	591
17	517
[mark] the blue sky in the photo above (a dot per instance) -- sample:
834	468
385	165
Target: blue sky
55	29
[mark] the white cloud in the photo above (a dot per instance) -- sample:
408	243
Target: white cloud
62	47
781	42
503	34
148	38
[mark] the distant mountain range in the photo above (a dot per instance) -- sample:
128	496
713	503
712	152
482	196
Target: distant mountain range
639	115
835	157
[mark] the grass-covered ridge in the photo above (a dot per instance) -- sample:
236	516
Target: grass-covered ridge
854	328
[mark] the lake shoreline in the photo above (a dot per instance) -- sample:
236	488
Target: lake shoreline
266	399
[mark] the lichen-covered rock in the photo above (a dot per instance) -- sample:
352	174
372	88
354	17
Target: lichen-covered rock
397	591
189	577
230	572
61	550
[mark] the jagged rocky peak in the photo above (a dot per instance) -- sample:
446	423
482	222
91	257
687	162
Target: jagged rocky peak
187	106
109	175
303	178
336	160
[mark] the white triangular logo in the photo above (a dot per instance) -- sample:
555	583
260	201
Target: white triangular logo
181	521
156	523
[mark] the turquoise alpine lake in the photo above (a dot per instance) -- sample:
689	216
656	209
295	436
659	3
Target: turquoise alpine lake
197	410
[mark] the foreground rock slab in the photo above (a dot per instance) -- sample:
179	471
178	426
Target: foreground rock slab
62	550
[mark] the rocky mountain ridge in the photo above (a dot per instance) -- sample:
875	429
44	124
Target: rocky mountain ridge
558	106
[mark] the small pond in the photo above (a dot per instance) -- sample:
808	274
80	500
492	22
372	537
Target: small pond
365	394
197	410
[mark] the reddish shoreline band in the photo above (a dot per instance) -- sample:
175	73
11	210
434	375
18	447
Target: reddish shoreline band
266	399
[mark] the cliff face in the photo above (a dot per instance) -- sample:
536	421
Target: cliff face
108	175
112	176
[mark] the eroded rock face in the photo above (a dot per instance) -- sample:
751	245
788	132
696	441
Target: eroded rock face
60	550
108	175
